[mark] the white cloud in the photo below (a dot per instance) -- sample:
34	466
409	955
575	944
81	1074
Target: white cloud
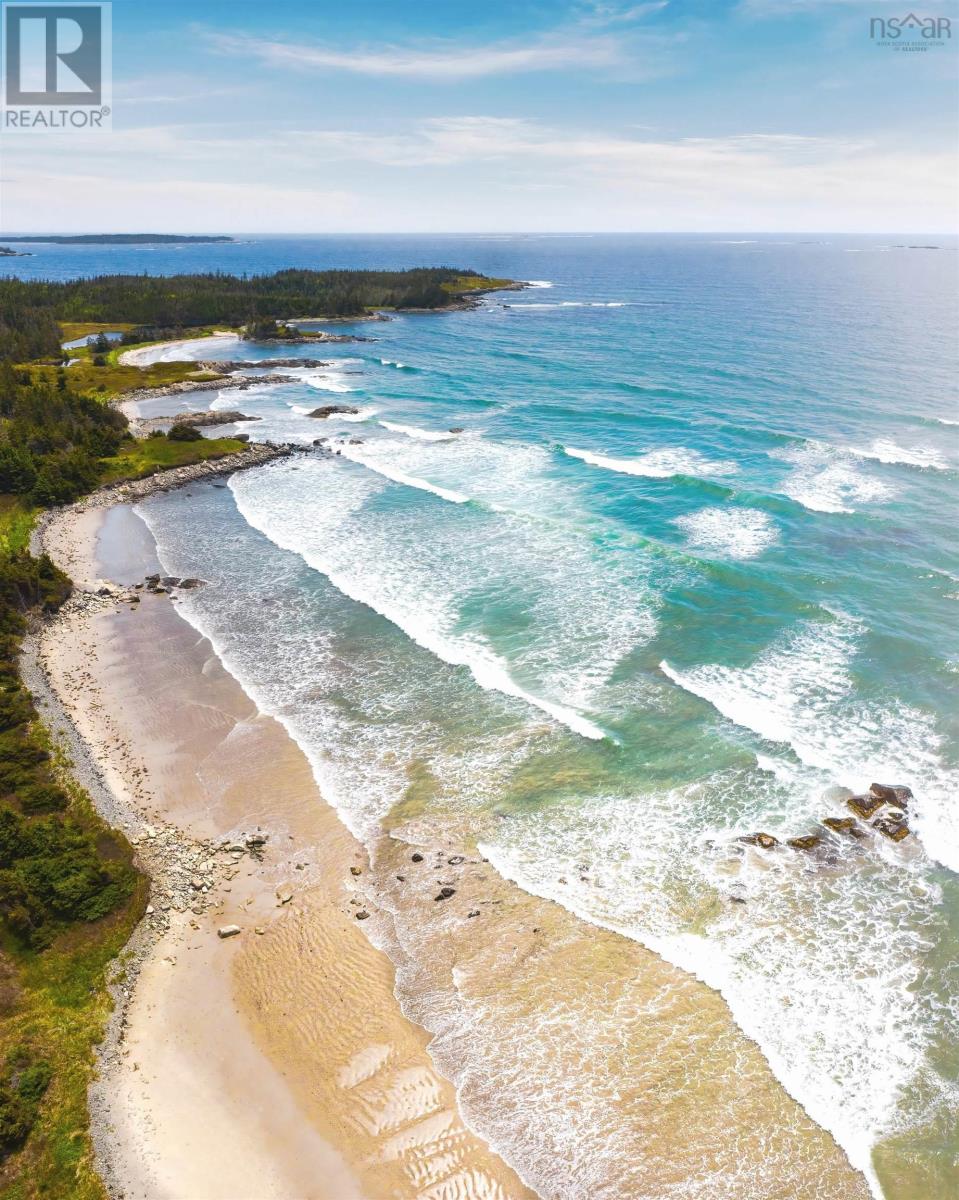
439	61
475	172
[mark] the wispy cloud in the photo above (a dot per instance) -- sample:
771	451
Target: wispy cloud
600	14
437	61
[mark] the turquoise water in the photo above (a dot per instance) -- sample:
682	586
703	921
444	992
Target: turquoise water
689	565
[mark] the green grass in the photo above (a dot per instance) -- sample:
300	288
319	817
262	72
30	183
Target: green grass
146	456
16	524
475	283
115	380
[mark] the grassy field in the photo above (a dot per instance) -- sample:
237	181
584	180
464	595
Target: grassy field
16	522
474	283
114	380
149	455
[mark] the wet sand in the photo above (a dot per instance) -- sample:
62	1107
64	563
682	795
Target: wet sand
279	1063
275	1063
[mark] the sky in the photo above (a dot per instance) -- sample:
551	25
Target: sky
241	116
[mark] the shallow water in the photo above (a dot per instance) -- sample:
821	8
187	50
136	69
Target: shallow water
688	565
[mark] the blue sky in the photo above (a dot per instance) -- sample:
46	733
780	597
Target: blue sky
425	116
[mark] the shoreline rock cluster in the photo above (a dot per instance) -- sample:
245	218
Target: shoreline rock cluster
227	366
240	383
198	419
892	823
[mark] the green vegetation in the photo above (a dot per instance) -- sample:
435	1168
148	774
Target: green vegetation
109	378
137	459
184	301
69	894
69	898
71	330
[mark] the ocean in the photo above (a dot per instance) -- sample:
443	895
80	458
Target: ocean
605	576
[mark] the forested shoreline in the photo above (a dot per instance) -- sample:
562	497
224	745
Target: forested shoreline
31	309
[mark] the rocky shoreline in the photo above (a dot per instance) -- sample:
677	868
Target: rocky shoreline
220	383
132	490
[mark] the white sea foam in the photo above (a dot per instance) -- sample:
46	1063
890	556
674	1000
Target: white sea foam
801	694
362	414
657	464
580	614
731	532
355	455
818	967
819	980
825	479
392	362
571	304
538	283
884	451
946	421
422	435
326	380
426	623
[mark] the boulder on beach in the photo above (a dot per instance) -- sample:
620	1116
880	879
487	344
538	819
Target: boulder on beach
330	410
228	931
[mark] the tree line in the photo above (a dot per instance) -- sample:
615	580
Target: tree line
29	309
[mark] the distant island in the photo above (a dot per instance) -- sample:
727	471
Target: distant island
119	239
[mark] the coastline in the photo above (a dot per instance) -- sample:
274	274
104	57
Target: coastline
203	1086
336	1037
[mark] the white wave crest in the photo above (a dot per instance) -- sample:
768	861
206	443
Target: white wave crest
657	464
420	435
354	454
885	451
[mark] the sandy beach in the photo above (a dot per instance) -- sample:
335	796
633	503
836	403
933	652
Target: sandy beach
275	1063
174	351
278	1062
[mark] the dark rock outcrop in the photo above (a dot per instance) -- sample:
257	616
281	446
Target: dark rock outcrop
895	794
809	841
845	825
865	806
330	410
225	417
764	840
892	827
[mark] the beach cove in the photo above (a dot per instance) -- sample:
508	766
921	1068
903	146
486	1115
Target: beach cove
552	675
279	1063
